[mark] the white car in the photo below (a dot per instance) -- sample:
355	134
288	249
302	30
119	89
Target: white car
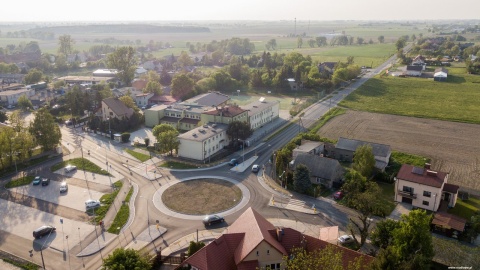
89	204
63	187
70	168
344	239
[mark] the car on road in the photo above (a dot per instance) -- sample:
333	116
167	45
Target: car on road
345	239
338	195
63	187
89	204
255	168
70	168
233	162
45	181
43	230
37	180
212	219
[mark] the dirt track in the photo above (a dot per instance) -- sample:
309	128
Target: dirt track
453	147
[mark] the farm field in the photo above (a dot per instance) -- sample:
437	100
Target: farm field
457	99
453	147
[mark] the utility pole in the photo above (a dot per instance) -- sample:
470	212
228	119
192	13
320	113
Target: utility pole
295	31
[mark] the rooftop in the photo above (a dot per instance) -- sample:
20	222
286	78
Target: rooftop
228	111
422	176
209	99
381	150
258	106
118	107
449	221
204	132
307	146
319	166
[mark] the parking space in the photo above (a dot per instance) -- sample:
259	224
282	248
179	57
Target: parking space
91	177
22	221
74	198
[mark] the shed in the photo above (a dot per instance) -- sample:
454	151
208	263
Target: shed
440	74
117	137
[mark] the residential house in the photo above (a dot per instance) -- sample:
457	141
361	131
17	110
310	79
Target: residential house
419	60
262	112
114	108
225	115
142	99
10	97
440	74
309	147
345	151
139	71
424	188
252	242
203	142
7	78
325	171
415	71
328	67
139	84
12	86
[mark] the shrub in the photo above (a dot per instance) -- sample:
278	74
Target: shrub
125	137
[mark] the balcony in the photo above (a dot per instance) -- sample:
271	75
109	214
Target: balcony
407	194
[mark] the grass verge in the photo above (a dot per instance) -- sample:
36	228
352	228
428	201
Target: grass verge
387	196
106	201
140	156
466	208
26	180
82	164
326	117
26	266
122	216
177	165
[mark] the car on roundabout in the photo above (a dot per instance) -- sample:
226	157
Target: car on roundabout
212	219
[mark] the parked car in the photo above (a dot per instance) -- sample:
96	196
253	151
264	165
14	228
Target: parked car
212	219
89	204
37	180
233	162
338	195
63	187
70	168
345	239
255	168
45	181
68	122
43	230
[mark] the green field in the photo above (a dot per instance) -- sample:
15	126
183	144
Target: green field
458	99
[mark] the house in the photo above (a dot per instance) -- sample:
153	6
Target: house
252	242
440	74
210	99
203	142
162	99
328	67
419	60
345	151
114	108
415	71
325	171
308	147
293	84
424	188
139	71
10	97
262	112
7	78
142	99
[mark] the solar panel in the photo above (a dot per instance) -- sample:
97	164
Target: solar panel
417	170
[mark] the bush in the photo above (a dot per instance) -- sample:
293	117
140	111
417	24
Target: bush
125	137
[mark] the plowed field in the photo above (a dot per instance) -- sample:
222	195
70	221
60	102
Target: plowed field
453	147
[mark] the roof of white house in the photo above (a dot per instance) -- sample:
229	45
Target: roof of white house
204	132
258	106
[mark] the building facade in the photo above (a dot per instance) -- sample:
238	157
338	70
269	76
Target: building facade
203	142
262	112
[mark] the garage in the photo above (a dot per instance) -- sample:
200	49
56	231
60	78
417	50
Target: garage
407	200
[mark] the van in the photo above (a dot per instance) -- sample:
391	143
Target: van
43	230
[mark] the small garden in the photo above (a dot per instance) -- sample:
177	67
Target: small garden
177	165
82	164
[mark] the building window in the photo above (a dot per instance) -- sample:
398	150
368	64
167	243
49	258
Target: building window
407	189
257	252
427	194
426	203
268	251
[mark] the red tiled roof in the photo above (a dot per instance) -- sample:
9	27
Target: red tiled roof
139	84
450	188
421	176
229	111
447	221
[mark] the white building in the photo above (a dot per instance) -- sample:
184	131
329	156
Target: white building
262	112
203	142
105	73
142	99
10	97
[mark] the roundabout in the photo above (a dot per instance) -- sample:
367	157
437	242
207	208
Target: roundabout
194	197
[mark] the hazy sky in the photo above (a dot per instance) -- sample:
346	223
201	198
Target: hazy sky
118	10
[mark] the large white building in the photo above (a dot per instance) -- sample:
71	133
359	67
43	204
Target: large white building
203	142
262	112
10	97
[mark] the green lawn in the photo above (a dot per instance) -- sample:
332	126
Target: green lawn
458	99
177	165
82	164
106	200
122	216
140	156
387	196
466	208
26	180
397	159
453	253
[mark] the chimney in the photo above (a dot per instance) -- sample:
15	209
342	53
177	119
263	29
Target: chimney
427	166
431	173
280	234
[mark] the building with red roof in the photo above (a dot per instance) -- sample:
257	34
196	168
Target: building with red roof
252	242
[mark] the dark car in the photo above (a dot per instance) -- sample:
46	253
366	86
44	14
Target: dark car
37	180
45	181
42	231
212	219
233	162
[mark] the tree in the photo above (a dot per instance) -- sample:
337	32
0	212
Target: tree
182	85
311	43
401	42
123	59
3	117
154	88
330	258
360	40
158	129
65	43
194	247
321	41
129	102
125	137
33	76
301	179
382	235
364	160
299	42
381	39
126	259
184	60
168	141
45	130
272	43
238	130
24	103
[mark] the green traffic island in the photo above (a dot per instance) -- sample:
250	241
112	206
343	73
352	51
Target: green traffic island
122	215
106	201
22	265
140	156
82	164
22	181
